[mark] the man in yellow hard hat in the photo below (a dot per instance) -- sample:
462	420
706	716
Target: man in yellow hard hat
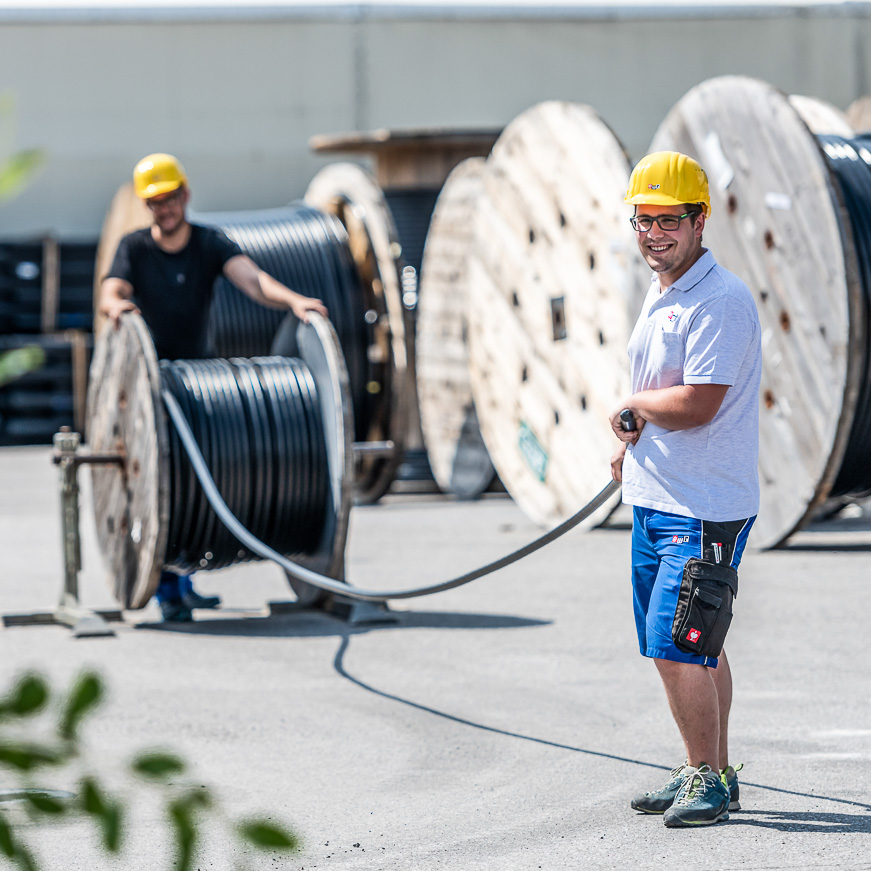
166	272
689	436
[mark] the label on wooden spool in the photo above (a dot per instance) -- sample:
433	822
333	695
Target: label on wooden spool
131	502
350	194
803	280
126	214
555	279
455	448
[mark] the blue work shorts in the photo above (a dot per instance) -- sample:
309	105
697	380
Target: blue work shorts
661	545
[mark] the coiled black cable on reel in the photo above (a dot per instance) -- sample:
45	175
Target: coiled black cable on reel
850	162
305	250
277	434
259	426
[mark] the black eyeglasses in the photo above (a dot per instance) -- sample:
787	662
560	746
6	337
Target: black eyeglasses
669	223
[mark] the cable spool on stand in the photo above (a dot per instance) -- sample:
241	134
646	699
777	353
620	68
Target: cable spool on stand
348	193
451	432
556	278
779	223
277	457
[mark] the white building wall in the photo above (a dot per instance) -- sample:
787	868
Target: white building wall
237	100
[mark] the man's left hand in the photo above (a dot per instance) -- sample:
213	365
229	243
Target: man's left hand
630	437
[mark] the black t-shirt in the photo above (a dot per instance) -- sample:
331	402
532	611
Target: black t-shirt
174	291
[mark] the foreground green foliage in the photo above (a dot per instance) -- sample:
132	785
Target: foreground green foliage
39	733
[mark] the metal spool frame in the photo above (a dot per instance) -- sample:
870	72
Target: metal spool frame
778	221
132	499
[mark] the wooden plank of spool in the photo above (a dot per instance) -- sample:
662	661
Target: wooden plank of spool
777	223
131	503
416	159
320	350
822	118
555	272
126	213
350	194
859	114
454	445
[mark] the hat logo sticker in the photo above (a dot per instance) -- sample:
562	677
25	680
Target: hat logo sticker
653	187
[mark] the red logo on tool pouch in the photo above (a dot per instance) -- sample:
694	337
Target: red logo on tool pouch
693	636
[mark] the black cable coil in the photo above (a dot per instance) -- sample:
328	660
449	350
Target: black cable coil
307	251
850	161
258	424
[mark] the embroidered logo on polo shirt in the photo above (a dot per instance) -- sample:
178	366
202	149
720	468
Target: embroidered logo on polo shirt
672	315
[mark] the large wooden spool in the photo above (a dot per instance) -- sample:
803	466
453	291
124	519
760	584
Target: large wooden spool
127	213
556	278
132	500
777	222
351	195
821	118
457	454
859	114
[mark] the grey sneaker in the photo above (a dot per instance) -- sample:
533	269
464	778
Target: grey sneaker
660	800
702	799
729	776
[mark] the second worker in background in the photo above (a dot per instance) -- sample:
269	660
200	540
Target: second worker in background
166	272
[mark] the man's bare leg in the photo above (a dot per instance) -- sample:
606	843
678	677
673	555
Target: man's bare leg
692	697
722	676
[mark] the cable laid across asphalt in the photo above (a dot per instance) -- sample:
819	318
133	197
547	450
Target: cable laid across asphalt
329	584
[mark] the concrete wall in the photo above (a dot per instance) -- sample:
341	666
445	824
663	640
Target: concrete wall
238	100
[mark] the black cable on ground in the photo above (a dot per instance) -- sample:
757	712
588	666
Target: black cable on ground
258	425
850	161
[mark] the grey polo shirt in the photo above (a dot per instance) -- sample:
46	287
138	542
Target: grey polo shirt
703	330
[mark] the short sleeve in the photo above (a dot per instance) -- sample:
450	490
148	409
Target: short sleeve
122	265
223	247
720	335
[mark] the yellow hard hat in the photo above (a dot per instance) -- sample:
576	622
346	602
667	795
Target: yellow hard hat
158	174
668	178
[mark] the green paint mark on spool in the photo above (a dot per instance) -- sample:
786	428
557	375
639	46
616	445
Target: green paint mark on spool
532	451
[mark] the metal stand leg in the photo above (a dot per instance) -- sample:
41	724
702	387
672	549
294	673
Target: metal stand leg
69	612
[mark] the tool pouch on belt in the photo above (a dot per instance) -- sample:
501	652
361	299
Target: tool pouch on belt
704	607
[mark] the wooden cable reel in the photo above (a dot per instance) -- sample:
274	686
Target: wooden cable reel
127	213
132	502
557	279
451	432
351	195
778	223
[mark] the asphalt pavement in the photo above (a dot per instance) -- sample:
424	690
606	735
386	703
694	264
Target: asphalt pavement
501	726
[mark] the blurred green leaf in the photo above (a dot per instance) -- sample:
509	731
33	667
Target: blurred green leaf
157	765
46	804
7	841
86	694
27	757
185	833
267	836
28	696
24	859
20	361
17	170
111	824
92	800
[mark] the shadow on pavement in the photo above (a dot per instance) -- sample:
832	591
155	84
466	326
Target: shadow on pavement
805	821
315	623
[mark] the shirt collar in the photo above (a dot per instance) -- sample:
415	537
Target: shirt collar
696	272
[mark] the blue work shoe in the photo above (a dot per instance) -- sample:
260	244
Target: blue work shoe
702	799
729	776
192	599
660	800
175	611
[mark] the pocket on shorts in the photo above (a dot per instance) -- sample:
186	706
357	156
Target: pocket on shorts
704	607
